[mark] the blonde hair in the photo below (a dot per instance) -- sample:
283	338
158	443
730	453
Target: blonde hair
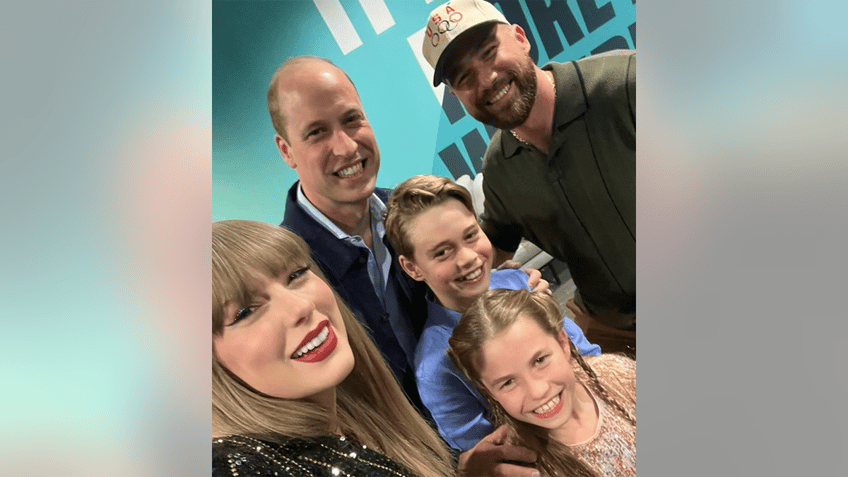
371	408
494	312
412	198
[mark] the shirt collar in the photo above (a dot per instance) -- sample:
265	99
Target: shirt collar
440	315
376	208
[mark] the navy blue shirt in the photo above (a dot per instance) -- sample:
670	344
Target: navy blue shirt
345	264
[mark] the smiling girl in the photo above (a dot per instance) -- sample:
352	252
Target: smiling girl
298	387
577	412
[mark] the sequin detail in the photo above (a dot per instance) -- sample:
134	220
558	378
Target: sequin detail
612	450
321	456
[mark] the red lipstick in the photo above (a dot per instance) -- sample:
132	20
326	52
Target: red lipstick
312	334
322	351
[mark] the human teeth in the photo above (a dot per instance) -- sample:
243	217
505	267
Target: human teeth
314	343
473	275
547	406
349	171
500	94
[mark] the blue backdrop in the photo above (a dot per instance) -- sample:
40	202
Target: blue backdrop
420	129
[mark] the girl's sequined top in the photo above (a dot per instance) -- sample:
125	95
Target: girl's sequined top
611	452
321	456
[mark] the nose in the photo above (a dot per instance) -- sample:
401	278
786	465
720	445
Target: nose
465	257
296	307
487	76
537	388
343	145
302	308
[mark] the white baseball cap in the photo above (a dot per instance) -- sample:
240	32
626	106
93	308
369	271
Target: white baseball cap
448	22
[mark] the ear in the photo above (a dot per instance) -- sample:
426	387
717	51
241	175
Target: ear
563	340
285	151
410	268
521	38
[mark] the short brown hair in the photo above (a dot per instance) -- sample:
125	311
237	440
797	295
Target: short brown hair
413	197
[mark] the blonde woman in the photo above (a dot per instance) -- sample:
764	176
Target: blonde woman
577	412
298	387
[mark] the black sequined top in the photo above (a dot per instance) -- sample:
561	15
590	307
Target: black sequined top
321	456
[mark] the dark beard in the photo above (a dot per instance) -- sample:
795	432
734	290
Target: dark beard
519	110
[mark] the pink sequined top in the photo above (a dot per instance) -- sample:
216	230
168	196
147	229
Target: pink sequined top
611	452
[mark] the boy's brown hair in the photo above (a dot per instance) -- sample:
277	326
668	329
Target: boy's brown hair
413	197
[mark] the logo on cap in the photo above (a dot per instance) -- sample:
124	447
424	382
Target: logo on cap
448	22
443	25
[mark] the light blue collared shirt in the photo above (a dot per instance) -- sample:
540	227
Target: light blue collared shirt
380	255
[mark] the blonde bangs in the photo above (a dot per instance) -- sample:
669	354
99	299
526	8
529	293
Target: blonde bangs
243	250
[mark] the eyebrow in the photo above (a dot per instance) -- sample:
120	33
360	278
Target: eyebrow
537	354
533	358
438	246
309	127
322	122
447	241
487	43
458	67
456	74
500	380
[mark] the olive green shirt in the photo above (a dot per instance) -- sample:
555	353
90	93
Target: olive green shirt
578	202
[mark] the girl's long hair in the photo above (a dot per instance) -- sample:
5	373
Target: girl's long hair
371	408
495	311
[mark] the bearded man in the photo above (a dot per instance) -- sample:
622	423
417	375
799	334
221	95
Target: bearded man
561	170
